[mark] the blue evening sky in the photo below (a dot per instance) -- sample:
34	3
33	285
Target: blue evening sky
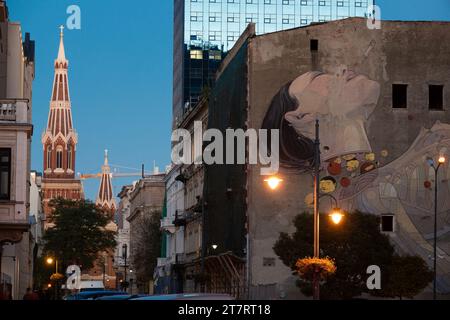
121	74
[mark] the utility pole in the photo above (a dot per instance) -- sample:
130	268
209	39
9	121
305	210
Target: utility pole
316	284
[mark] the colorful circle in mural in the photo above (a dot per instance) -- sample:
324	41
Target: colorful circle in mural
370	157
309	200
334	169
346	182
384	153
349	157
367	167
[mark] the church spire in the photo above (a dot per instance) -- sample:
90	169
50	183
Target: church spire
105	196
61	52
60	138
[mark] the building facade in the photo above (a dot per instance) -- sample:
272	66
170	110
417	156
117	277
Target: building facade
122	254
16	78
168	277
37	216
60	139
382	102
205	29
146	201
184	218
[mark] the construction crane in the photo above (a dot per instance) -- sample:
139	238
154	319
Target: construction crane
141	174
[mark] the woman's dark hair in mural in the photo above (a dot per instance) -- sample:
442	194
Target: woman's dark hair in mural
296	151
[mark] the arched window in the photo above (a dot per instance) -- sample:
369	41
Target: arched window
49	157
59	158
69	157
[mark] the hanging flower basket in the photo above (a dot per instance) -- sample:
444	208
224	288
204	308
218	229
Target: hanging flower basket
321	267
56	277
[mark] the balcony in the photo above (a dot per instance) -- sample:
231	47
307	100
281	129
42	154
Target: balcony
180	259
13	111
180	219
168	225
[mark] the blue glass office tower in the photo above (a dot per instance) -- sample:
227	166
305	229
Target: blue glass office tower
204	28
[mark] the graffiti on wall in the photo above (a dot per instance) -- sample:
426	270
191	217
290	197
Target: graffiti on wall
351	171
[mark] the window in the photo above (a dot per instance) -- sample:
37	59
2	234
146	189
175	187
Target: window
49	157
5	174
436	95
387	223
314	45
196	54
215	55
59	158
69	157
400	96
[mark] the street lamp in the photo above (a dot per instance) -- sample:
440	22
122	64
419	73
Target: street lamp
336	215
124	256
273	182
50	261
432	164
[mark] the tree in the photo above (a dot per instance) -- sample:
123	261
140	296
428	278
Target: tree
78	234
354	245
147	248
407	276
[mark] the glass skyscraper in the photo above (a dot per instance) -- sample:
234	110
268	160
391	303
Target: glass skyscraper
205	25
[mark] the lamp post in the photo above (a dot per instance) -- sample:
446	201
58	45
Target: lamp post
124	256
316	284
50	261
336	214
432	164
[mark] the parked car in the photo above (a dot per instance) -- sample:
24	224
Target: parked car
87	285
187	296
92	295
121	297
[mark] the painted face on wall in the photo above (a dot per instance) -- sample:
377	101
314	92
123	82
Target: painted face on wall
352	165
328	185
342	102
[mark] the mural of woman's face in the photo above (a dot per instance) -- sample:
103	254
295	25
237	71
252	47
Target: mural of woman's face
342	102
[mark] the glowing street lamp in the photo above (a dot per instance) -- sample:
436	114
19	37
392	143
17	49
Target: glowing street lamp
273	182
441	161
50	261
337	216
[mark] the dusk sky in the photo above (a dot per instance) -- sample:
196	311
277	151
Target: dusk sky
120	75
